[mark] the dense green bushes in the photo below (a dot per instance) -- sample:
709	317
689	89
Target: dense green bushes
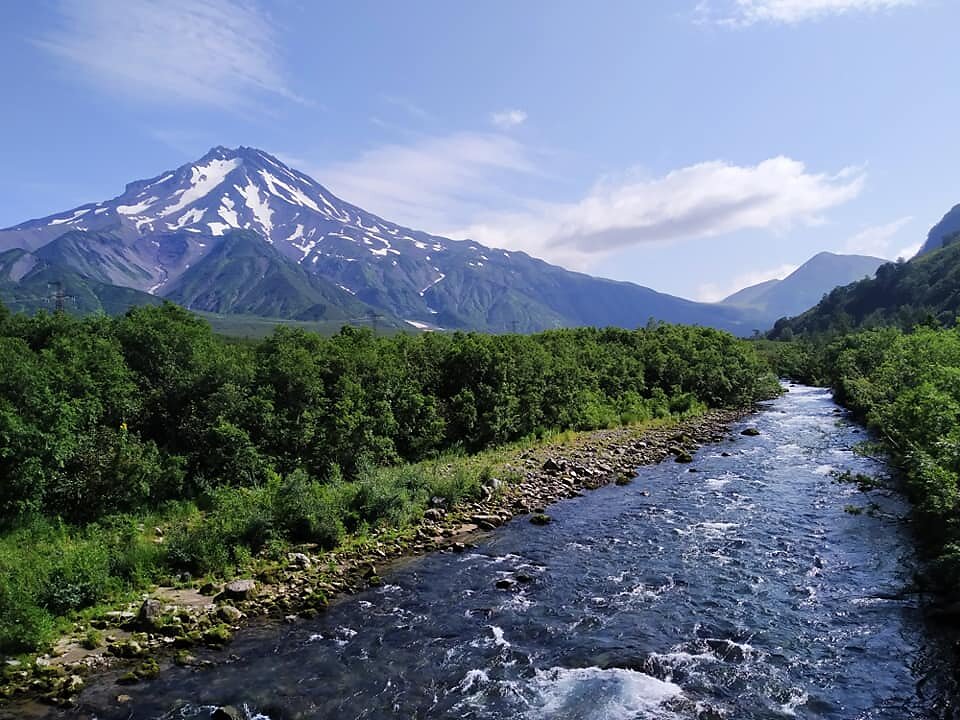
99	416
294	438
49	569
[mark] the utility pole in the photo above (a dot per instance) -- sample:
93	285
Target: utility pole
59	297
374	318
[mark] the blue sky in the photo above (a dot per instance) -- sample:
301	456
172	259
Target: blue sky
693	146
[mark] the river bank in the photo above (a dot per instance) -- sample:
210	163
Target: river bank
142	638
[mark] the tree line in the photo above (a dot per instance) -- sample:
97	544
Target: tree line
109	426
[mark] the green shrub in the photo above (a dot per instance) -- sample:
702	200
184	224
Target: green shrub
458	486
309	511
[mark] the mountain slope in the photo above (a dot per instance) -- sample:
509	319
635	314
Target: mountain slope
948	226
156	236
28	283
752	295
805	286
246	276
901	294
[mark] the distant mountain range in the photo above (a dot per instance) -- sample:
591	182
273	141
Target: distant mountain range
926	288
239	232
805	286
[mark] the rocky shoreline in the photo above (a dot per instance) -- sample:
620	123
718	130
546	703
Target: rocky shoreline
137	642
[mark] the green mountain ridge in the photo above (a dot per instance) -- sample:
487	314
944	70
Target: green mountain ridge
926	288
35	289
805	286
243	275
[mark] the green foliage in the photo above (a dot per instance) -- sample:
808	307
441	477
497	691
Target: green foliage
906	386
297	437
903	294
48	569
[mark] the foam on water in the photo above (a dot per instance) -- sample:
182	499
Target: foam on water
605	694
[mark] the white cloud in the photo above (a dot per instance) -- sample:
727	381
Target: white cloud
217	52
465	185
506	119
750	12
714	292
906	252
877	240
431	182
700	201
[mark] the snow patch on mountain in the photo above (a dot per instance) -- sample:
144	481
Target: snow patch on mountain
136	209
260	207
75	216
204	179
190	217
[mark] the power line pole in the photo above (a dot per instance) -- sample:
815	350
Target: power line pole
374	318
59	297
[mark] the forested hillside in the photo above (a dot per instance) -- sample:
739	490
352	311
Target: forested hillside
925	289
104	421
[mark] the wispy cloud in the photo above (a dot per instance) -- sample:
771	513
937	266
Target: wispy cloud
506	119
408	106
714	292
468	185
220	53
877	240
706	200
431	182
741	13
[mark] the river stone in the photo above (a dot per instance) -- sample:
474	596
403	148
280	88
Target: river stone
540	519
230	614
227	712
552	466
433	514
683	457
750	432
150	612
299	559
486	522
504	584
240	589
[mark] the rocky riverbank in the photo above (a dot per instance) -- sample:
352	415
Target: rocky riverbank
135	643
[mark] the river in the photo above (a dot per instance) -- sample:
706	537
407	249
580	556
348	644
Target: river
739	586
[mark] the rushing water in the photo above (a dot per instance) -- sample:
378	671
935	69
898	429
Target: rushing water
741	590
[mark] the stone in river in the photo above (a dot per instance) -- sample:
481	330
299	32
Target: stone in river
240	590
227	712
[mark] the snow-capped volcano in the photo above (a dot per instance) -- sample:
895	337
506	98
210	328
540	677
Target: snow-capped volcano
167	236
167	223
242	188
